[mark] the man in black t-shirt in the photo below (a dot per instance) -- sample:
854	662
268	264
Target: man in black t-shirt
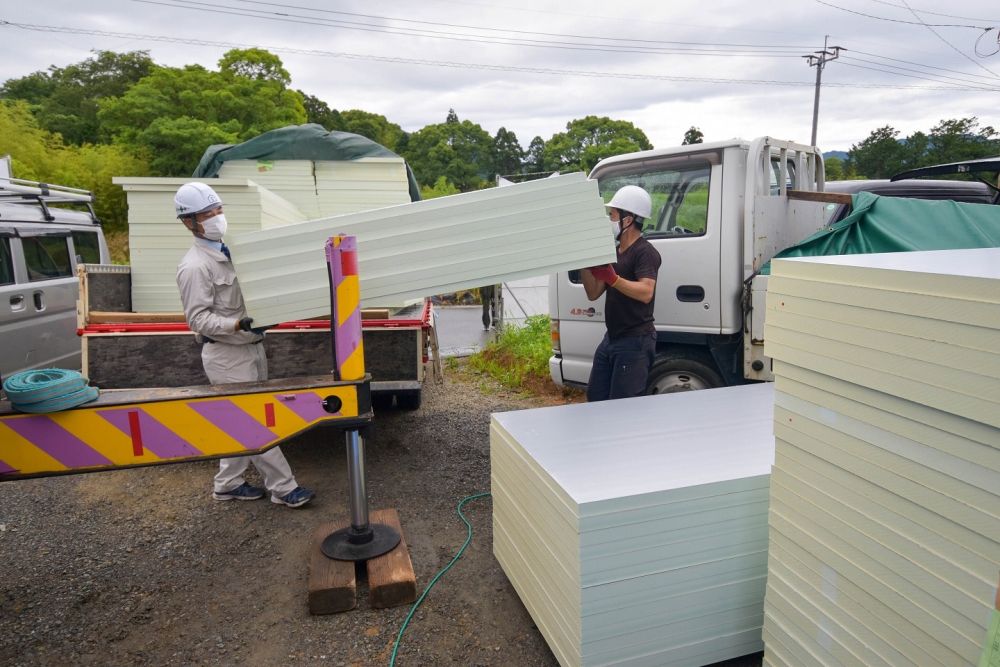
622	360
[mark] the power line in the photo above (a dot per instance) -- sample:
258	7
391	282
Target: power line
917	71
950	45
462	65
215	8
910	62
923	78
509	30
926	11
883	18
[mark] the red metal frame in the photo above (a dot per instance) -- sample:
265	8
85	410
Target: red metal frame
424	322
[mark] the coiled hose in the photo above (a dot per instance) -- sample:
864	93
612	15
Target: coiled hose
48	390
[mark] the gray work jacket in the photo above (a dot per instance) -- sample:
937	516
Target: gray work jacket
210	293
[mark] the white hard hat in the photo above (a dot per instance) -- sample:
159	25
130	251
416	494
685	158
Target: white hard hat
192	198
633	199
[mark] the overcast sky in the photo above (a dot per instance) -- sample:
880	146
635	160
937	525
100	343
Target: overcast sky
730	68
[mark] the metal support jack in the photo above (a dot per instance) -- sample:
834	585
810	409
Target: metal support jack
362	540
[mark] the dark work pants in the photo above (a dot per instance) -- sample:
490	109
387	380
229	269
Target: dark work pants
621	367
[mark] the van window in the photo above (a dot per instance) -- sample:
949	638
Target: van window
46	257
86	247
6	263
679	194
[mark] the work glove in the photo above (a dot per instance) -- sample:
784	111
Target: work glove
246	325
604	273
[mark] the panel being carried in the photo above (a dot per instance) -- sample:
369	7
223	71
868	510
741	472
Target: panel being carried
885	494
428	247
635	531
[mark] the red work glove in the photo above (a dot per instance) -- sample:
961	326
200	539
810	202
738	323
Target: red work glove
605	273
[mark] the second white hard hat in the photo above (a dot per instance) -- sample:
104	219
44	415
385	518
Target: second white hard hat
192	198
633	199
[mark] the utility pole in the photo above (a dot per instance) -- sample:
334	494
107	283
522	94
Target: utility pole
819	59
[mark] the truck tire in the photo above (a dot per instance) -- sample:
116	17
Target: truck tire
409	400
674	372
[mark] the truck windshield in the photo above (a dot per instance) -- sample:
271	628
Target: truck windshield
679	194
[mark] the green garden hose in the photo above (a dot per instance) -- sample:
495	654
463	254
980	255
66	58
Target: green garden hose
413	609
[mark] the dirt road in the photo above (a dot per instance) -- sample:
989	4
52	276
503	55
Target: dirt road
142	567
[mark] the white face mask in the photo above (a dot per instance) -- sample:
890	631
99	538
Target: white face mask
616	228
215	227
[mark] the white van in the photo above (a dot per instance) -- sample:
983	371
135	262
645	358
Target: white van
42	240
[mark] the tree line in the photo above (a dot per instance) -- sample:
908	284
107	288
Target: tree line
119	114
123	114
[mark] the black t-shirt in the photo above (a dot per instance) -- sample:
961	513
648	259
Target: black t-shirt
626	316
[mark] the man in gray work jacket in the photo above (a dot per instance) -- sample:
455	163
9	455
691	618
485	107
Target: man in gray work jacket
232	350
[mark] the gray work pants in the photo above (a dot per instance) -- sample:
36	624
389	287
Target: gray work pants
226	363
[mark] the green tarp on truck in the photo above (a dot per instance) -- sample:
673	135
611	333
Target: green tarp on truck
299	142
897	224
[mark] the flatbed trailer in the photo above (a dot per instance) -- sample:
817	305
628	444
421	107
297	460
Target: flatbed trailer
123	349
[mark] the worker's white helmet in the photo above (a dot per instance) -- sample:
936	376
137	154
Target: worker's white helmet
633	199
192	198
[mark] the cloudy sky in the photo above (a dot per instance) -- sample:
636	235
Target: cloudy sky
730	68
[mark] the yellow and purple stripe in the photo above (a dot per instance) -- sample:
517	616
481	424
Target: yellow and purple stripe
342	259
107	437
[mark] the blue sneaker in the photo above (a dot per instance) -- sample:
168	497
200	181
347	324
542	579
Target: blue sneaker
297	497
242	492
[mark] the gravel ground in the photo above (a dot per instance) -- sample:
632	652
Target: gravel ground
143	567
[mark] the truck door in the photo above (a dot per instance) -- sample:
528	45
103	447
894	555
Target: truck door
684	228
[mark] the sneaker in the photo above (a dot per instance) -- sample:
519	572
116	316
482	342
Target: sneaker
242	492
297	497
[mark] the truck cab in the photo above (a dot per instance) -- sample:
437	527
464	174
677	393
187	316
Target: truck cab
703	195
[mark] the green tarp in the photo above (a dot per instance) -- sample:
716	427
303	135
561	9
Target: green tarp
299	142
897	224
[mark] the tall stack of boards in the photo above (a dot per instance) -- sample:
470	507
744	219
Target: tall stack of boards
885	494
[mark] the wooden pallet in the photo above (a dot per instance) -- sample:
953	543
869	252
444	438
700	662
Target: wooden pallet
333	583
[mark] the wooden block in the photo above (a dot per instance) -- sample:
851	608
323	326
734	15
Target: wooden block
109	317
374	313
390	576
332	585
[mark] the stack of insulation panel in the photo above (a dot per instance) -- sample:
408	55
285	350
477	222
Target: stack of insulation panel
428	247
157	240
292	180
635	531
350	186
885	495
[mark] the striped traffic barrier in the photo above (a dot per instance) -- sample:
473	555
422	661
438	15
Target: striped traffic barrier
345	293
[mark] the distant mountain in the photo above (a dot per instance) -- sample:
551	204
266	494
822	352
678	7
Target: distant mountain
837	154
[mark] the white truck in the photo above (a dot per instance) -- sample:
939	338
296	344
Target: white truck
720	211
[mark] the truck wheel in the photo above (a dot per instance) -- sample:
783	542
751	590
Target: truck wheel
670	374
409	400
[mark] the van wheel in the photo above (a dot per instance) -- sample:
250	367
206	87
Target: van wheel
674	373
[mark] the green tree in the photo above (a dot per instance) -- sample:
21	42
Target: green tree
39	155
507	152
880	155
373	126
442	188
319	112
174	114
587	141
693	136
834	167
254	64
535	160
959	139
65	99
461	151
